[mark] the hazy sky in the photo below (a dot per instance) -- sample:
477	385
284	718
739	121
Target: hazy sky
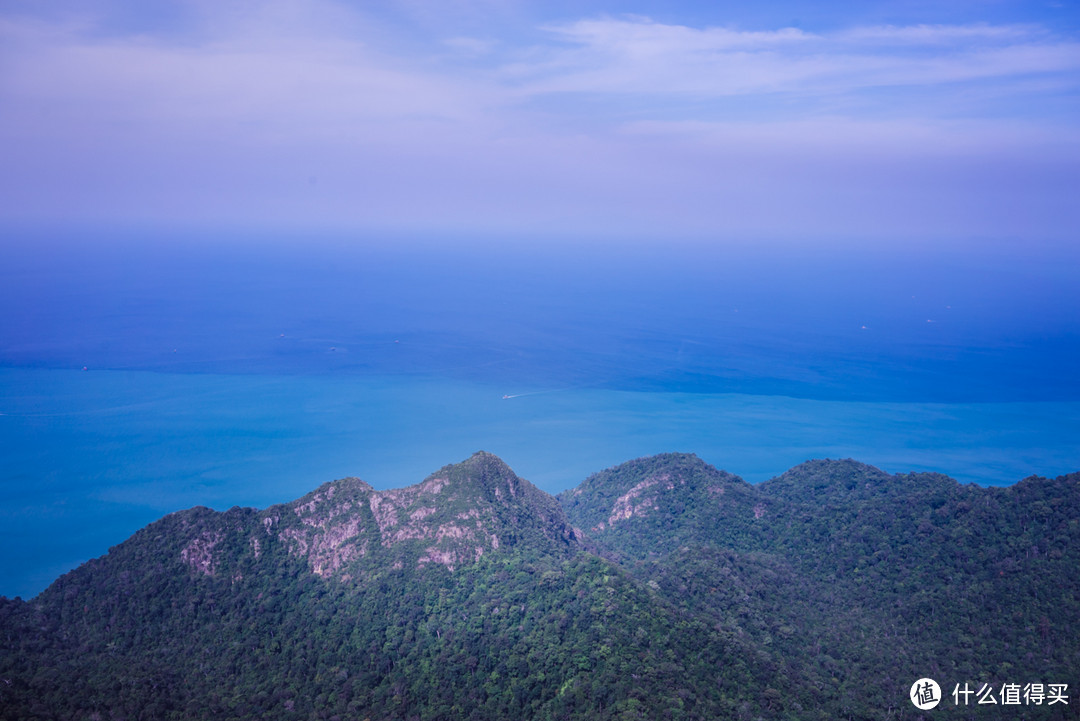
886	120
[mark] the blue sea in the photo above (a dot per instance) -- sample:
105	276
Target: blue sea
143	373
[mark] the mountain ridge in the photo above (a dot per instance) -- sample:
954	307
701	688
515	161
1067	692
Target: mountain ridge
659	588
346	527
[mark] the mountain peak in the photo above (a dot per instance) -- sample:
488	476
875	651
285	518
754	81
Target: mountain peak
658	503
843	473
847	479
483	472
451	518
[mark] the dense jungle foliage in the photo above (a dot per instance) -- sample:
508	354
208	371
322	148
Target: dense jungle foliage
659	589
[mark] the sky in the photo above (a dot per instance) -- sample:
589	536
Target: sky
877	121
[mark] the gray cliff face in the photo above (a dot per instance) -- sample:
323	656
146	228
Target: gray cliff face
346	529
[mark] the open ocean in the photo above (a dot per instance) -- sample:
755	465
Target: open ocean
248	372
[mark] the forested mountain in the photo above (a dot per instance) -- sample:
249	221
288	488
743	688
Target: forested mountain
662	588
858	582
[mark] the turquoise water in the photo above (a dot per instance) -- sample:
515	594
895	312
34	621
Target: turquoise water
227	371
91	456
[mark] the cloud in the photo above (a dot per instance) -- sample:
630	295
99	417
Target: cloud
319	69
641	36
601	126
939	34
261	81
885	140
640	56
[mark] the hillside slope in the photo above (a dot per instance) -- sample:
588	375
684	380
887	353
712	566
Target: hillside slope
466	596
843	573
662	588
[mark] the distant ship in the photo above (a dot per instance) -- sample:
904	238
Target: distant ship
504	397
